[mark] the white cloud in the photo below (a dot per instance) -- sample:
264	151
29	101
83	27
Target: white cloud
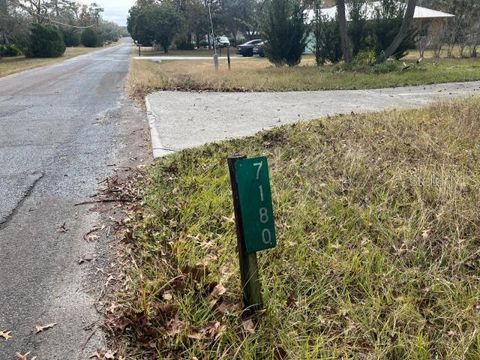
115	10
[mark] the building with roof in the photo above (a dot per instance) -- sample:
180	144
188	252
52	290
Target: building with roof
428	21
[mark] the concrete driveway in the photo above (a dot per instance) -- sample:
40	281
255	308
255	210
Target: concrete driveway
180	120
60	133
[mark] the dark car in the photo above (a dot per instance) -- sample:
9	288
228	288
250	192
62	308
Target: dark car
246	49
259	49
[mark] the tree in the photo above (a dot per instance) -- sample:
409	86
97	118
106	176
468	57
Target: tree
327	38
90	38
45	41
285	32
342	22
357	28
165	23
239	16
402	33
71	36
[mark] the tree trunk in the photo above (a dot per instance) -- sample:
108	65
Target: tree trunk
402	33
342	22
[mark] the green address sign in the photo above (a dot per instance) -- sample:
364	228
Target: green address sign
255	198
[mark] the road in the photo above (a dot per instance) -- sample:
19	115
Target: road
180	120
61	131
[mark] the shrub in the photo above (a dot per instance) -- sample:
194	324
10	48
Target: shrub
389	18
285	32
90	38
365	57
183	44
9	51
327	40
45	41
71	37
357	27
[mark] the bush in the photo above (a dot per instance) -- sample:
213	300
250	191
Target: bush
327	40
184	44
9	51
385	30
357	27
285	32
365	57
90	38
71	37
385	27
45	41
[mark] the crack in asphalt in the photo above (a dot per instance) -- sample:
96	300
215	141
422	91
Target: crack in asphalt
4	222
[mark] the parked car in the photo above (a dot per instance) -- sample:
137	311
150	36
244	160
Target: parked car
246	49
222	41
259	49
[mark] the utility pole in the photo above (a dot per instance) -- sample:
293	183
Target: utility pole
215	55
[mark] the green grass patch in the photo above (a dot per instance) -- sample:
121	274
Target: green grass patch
378	257
259	75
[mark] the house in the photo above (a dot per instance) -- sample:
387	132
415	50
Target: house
428	21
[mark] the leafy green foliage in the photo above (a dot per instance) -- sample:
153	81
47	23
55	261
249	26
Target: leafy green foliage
328	46
184	44
45	41
9	51
71	36
357	27
385	27
155	23
90	38
285	32
166	23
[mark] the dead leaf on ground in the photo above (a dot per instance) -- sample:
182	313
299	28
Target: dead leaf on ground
5	334
109	355
249	326
90	236
175	326
214	329
40	329
216	294
218	291
96	355
195	336
100	355
24	357
63	228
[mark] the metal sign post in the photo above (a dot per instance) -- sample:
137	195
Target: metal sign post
252	200
228	58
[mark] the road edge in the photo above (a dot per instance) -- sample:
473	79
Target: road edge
157	148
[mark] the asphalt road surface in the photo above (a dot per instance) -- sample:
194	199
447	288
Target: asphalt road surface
59	129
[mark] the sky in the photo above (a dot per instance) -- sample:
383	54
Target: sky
115	10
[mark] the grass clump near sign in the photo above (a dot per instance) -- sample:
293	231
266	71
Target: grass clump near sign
378	245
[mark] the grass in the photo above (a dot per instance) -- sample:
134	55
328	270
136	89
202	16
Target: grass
258	75
14	65
378	256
